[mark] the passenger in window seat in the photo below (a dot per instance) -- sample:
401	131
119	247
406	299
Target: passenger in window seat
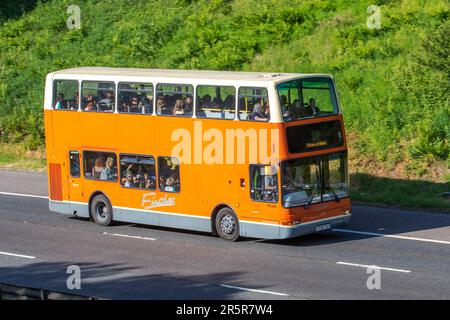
97	170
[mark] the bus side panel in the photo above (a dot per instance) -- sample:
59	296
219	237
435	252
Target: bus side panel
98	130
55	181
66	129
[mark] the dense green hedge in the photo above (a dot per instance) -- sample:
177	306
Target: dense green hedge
393	82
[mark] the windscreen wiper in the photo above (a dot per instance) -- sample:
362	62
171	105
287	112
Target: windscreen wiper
311	197
336	198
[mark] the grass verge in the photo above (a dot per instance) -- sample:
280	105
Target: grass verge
16	157
414	194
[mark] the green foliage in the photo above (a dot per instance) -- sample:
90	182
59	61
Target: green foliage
403	193
393	82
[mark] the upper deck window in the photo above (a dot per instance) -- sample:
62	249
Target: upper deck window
175	100
136	98
307	98
98	96
253	104
217	102
66	95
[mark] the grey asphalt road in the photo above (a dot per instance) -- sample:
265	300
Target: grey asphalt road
127	261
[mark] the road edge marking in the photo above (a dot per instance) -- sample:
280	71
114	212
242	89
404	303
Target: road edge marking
22	195
391	236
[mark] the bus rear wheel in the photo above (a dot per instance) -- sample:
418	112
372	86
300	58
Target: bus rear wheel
101	210
227	224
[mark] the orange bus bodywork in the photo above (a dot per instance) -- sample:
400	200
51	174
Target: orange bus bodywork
204	188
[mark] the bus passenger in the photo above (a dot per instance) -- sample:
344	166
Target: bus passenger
147	104
134	105
73	104
229	102
86	100
284	103
178	108
258	114
90	106
60	102
89	98
206	101
149	181
107	103
169	180
161	105
188	104
129	182
124	107
97	170
312	106
297	109
109	172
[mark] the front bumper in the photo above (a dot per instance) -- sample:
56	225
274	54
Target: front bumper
272	231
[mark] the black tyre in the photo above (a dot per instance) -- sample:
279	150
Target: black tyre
227	224
101	210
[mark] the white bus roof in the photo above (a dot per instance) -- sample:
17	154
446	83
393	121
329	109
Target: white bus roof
183	74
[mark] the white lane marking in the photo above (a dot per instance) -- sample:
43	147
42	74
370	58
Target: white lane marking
127	236
17	255
22	195
373	266
254	290
391	236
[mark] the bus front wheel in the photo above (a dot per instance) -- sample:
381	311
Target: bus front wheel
227	224
101	210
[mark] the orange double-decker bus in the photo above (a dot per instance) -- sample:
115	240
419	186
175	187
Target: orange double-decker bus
232	153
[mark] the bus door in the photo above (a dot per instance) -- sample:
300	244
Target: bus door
259	192
74	181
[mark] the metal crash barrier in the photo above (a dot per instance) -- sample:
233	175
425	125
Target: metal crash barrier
12	292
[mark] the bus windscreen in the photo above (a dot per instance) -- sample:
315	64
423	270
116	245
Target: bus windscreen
307	98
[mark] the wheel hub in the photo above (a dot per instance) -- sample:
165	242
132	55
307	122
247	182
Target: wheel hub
102	210
227	224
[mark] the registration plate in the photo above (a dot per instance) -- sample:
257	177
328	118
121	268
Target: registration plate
323	227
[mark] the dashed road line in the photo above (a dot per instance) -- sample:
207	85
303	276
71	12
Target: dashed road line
127	236
254	290
17	255
373	266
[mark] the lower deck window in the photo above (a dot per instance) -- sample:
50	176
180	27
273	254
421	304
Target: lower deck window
100	165
169	174
74	158
263	183
137	172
